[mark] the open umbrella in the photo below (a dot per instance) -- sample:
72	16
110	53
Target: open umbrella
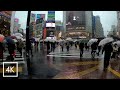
1	38
117	42
105	41
91	41
18	34
69	39
18	37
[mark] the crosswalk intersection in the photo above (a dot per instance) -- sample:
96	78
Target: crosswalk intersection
18	58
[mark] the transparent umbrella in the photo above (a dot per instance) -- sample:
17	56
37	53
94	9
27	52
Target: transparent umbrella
91	41
105	41
117	42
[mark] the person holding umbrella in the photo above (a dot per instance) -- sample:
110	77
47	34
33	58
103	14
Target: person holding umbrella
81	47
108	50
11	48
106	43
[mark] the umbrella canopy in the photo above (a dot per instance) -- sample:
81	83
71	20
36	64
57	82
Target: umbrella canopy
1	38
117	42
69	39
9	40
18	34
50	40
18	37
91	41
105	41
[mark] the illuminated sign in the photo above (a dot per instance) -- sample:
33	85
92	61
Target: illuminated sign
50	24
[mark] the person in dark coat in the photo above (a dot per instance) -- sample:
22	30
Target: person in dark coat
67	46
1	50
11	48
31	47
52	46
86	47
108	50
81	47
76	45
93	47
48	46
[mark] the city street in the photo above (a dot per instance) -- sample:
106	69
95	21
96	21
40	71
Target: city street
69	65
48	29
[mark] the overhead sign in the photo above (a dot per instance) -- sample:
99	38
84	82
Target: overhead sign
51	15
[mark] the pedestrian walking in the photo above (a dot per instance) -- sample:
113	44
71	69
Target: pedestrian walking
93	49
31	48
20	46
48	47
99	50
52	46
11	49
76	45
86	47
67	46
81	47
115	50
62	45
107	49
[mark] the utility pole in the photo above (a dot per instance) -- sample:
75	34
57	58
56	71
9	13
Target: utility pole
27	43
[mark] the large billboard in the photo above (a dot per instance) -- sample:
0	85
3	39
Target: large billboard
5	22
51	16
75	20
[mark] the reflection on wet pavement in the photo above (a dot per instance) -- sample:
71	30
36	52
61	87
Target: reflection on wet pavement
57	67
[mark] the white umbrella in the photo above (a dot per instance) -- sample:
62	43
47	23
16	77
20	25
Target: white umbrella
18	37
91	41
117	42
105	41
18	34
69	39
37	39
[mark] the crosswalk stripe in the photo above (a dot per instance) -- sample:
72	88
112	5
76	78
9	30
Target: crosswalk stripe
114	72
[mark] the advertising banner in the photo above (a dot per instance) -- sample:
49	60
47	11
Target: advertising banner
51	15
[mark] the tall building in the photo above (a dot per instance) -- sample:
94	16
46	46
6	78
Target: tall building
16	25
113	30
98	27
5	20
118	23
78	24
12	22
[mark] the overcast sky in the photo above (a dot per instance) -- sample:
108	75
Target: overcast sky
108	18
